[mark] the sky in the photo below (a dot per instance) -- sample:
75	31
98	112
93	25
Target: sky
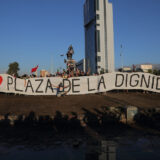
37	32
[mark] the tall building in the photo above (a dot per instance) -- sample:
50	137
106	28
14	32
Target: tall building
81	65
99	41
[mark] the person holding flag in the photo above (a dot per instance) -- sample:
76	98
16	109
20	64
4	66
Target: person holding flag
34	69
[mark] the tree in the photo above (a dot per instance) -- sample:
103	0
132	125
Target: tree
150	71
102	71
139	70
106	71
13	69
120	70
155	72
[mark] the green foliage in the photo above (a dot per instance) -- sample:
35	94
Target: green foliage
139	70
120	70
155	71
13	69
102	71
106	71
150	71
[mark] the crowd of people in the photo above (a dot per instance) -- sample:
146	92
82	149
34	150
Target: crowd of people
64	74
68	74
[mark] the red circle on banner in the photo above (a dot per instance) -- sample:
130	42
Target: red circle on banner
1	80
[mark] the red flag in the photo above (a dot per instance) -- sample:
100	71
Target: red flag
34	69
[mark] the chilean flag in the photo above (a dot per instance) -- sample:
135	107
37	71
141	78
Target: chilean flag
34	69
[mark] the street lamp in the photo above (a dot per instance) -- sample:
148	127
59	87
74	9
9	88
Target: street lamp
121	55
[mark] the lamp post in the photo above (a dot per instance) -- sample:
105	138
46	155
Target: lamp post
121	55
52	63
61	55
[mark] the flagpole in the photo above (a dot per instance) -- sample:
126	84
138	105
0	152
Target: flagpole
52	67
34	70
36	73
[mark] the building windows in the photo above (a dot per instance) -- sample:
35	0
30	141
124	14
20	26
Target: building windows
98	58
98	49
98	67
97	24
97	5
97	17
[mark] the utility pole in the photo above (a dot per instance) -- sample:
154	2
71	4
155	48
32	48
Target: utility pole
52	68
121	55
61	67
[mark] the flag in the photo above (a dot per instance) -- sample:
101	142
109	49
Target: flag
34	69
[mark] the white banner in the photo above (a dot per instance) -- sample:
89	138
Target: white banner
80	85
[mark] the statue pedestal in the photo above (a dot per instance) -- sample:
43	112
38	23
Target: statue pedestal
71	65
